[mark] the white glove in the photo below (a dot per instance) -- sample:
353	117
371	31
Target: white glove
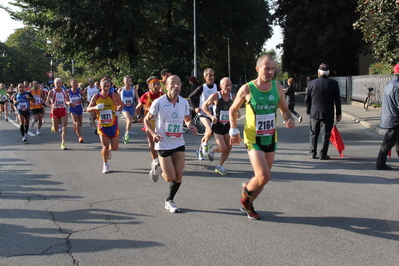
117	113
100	106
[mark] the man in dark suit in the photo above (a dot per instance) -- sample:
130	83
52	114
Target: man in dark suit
322	94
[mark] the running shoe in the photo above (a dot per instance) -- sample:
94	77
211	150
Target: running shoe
155	171
246	206
24	139
6	119
63	147
81	139
209	152
251	213
38	132
109	155
26	135
170	205
32	124
106	168
126	138
200	155
220	170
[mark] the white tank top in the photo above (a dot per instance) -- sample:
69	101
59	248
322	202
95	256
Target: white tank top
206	92
91	92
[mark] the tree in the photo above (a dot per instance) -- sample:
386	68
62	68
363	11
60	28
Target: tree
319	32
140	37
378	22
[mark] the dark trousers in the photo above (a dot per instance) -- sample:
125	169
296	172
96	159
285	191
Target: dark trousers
317	126
291	106
391	139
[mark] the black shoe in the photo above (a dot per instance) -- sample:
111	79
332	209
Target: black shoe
325	157
384	167
313	156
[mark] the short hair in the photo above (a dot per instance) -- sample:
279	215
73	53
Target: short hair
163	71
126	77
206	71
290	81
57	79
224	79
104	80
263	58
193	79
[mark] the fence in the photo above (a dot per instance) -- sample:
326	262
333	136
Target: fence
354	88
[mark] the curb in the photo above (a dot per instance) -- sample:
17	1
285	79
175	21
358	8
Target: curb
374	128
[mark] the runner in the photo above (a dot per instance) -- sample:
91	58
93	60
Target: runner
75	107
262	96
22	102
11	91
145	101
36	106
3	102
197	99
56	100
88	93
221	101
165	74
107	106
169	111
129	98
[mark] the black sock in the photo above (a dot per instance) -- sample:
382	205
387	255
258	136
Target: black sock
173	188
26	128
21	128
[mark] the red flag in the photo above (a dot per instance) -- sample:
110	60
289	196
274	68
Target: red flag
336	140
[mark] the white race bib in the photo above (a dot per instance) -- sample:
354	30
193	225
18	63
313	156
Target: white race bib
174	128
4	97
23	106
75	99
265	125
59	100
224	117
105	116
128	101
38	99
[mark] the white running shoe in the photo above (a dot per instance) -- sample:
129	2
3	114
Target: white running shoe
23	139
155	171
26	135
38	132
200	155
170	205
220	170
106	168
209	152
32	124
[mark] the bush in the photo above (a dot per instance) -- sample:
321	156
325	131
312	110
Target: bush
380	69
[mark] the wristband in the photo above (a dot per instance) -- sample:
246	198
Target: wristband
234	131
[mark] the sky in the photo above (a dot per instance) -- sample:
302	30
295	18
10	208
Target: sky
8	26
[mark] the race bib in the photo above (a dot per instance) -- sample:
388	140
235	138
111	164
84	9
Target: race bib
23	106
105	116
224	117
59	101
4	97
265	125
38	100
128	101
174	128
75	100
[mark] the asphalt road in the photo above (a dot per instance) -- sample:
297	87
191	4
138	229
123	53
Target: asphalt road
58	209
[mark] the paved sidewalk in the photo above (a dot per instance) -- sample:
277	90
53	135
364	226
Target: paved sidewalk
369	119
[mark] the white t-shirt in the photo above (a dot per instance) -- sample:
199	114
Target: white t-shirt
169	121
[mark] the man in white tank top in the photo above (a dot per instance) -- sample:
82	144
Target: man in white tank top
89	92
197	99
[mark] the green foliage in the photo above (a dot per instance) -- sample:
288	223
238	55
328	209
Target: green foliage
23	57
378	22
140	37
380	68
319	32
